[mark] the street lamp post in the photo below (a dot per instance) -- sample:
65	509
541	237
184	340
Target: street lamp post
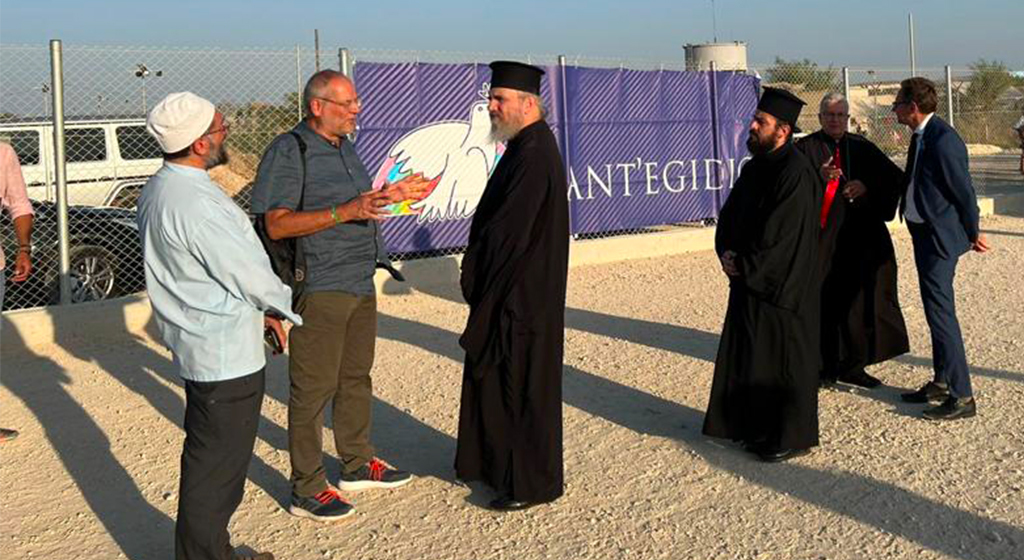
142	72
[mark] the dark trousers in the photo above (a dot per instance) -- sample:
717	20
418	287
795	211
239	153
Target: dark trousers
221	418
935	276
330	358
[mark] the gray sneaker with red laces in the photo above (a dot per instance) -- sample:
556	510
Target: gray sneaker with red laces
374	474
325	506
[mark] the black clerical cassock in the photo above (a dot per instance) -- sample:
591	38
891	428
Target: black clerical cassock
861	319
766	373
514	279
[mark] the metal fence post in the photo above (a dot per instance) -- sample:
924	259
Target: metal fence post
949	95
345	62
846	84
60	168
298	81
564	116
713	91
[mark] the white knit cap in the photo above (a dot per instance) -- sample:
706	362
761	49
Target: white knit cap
178	120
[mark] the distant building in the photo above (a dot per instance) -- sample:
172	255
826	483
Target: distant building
726	56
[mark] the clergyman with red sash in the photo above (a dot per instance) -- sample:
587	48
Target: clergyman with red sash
861	320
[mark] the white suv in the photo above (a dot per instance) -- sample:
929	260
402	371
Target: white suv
108	161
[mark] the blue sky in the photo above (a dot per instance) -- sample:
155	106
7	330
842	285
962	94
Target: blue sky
859	33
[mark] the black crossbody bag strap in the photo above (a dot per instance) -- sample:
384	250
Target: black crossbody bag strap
300	255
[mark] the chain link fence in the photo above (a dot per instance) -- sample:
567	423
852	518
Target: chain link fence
109	90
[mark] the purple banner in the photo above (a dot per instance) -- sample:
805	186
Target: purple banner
641	147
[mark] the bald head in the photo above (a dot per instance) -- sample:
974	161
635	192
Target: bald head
319	86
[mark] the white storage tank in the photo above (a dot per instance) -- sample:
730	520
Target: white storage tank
726	56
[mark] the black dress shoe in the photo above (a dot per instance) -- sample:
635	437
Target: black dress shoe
860	378
780	455
952	409
508	503
756	447
930	392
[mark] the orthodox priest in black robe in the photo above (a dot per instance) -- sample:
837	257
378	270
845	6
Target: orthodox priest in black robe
862	323
764	391
514	279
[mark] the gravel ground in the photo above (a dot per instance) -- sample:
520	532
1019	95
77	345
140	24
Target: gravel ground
94	473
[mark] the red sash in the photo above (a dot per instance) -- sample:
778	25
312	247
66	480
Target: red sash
830	189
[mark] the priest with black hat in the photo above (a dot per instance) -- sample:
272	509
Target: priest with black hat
764	392
514	279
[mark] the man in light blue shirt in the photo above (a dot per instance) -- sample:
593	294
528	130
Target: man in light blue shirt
211	286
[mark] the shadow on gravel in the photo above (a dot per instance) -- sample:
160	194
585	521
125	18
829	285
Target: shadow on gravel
400	437
975	370
673	338
142	370
881	505
997	232
140	530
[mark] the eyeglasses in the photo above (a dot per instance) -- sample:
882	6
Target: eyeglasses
356	103
224	127
898	103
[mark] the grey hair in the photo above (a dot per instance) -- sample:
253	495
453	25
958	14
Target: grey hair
831	99
538	100
317	87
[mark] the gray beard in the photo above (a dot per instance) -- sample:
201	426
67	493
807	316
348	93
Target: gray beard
220	157
502	131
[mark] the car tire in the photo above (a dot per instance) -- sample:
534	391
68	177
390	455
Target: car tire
94	274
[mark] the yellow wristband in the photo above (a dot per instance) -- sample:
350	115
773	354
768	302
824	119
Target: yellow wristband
334	214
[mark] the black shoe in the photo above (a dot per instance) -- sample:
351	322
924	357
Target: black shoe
508	503
374	474
860	378
952	409
756	447
325	506
930	392
826	382
780	455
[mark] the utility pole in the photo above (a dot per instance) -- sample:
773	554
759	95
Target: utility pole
913	60
316	49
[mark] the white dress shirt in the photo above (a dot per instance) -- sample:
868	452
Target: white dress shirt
911	213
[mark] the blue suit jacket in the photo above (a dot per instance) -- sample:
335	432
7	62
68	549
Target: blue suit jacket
943	193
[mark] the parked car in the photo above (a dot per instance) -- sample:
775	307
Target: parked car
105	251
108	160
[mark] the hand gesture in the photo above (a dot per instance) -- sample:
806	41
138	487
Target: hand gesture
368	206
413	187
830	172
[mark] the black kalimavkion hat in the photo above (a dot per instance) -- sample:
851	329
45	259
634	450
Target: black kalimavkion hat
516	75
781	104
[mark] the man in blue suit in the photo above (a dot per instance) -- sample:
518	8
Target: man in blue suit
941	211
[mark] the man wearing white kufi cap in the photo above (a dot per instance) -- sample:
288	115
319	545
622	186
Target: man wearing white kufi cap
213	293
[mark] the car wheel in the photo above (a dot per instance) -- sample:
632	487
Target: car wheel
93	273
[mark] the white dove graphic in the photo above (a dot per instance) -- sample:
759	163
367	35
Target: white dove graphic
457	156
